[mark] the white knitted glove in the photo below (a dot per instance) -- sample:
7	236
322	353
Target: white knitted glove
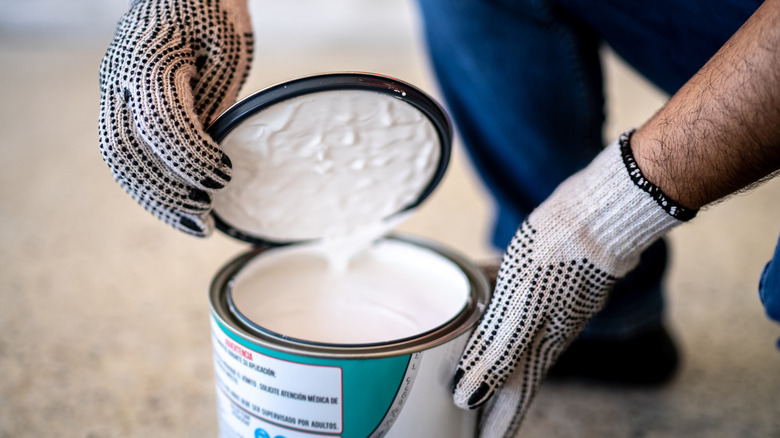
172	67
555	275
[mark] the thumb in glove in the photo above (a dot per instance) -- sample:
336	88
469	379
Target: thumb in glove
557	274
172	67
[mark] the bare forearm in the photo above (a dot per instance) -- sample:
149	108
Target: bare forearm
721	131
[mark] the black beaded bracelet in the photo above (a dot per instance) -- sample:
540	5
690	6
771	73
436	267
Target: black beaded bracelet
674	209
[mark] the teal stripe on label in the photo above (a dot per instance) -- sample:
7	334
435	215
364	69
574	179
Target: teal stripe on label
369	385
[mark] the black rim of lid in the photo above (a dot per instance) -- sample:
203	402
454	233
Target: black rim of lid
254	103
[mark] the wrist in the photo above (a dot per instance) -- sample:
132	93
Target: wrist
644	172
649	152
610	208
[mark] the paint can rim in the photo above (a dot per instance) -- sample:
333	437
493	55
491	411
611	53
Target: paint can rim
227	314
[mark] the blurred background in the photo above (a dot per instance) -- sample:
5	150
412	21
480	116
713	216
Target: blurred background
104	327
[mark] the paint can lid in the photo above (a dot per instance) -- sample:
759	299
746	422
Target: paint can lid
326	154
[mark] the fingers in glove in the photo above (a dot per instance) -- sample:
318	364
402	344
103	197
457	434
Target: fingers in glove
508	407
152	125
492	354
161	105
144	176
506	329
221	67
539	290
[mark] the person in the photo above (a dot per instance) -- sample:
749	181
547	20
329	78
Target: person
523	82
583	225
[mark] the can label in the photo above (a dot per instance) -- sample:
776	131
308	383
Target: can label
265	393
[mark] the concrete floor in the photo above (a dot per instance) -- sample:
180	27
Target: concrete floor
104	328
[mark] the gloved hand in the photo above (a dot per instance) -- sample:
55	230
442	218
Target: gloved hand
173	66
556	274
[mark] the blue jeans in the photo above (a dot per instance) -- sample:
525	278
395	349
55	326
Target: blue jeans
523	82
769	287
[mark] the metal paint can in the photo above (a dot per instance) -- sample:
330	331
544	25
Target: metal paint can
269	385
272	385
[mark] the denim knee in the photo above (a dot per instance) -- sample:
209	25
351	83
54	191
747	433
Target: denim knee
769	287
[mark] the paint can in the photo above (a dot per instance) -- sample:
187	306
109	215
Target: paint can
278	383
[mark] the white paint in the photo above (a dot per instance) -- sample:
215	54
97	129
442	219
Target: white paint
327	164
390	291
337	167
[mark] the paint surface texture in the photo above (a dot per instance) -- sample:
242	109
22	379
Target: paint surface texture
391	290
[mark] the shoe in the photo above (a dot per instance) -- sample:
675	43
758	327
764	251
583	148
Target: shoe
647	359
